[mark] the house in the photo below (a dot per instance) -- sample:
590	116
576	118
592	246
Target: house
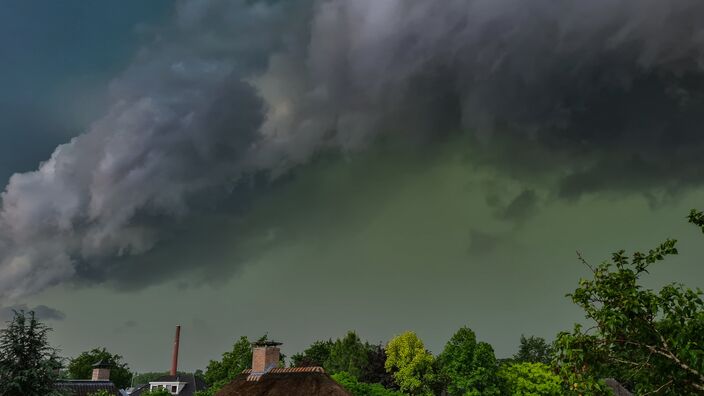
175	383
266	378
181	385
100	381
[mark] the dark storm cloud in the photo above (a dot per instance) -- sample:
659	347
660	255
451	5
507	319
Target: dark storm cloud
520	208
603	95
41	312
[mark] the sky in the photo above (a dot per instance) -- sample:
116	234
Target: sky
306	168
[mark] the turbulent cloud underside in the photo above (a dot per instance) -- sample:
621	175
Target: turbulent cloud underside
231	98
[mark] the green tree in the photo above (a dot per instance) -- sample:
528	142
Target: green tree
81	367
315	355
375	371
534	350
650	341
469	367
352	384
411	364
157	392
103	392
348	354
28	365
530	379
231	364
221	372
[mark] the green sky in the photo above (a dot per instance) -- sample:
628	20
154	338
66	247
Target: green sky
306	168
378	245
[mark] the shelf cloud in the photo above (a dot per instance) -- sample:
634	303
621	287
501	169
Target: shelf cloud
584	97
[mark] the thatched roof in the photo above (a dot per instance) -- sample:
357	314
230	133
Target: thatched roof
284	382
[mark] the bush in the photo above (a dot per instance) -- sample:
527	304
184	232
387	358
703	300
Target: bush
530	379
350	382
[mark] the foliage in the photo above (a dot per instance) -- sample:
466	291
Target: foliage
145	378
696	217
349	350
530	379
211	391
576	359
219	373
534	350
231	364
375	371
28	365
650	341
103	392
316	355
469	367
357	388
81	367
157	392
411	364
348	354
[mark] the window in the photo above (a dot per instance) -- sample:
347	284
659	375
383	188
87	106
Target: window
173	389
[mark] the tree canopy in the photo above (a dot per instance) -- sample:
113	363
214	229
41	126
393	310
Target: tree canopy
649	340
220	372
315	355
469	367
348	354
534	350
28	364
411	364
529	379
81	367
358	388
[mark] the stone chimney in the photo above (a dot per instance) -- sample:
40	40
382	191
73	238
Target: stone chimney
265	356
101	371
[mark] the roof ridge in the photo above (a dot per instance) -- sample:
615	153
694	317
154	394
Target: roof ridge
282	370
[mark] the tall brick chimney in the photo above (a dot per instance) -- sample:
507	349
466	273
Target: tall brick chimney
174	356
101	371
265	356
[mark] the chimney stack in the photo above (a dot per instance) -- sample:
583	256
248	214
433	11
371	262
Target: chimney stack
101	371
174	357
265	356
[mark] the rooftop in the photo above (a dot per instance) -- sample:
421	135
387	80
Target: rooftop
86	387
299	381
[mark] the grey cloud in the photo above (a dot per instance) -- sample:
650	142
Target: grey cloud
574	88
520	208
42	312
596	94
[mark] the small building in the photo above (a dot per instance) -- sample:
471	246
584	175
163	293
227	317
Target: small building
100	381
181	385
266	378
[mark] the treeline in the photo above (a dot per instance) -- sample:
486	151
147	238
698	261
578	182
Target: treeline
651	341
405	367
